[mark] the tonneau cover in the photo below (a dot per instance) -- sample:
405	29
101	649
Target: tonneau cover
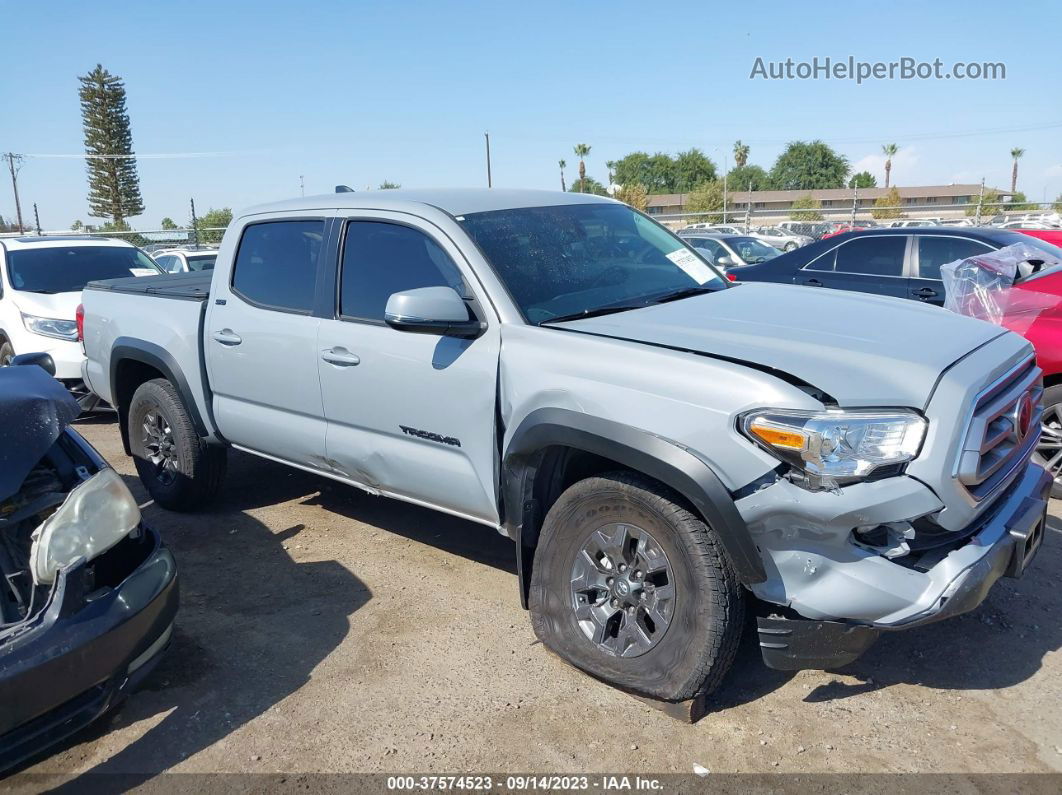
186	286
34	410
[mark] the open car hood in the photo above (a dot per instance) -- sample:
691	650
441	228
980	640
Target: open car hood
34	410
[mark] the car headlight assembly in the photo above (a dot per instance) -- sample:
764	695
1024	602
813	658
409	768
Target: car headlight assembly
51	327
835	448
95	516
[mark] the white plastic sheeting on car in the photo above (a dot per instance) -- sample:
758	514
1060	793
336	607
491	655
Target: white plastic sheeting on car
983	286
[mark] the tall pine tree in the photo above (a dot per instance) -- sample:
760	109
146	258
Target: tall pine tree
114	187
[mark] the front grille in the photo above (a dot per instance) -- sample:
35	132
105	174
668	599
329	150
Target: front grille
994	447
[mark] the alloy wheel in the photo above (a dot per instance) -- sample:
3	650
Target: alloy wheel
623	590
159	446
1050	444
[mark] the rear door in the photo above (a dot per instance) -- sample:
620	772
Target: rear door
260	341
865	263
932	251
412	415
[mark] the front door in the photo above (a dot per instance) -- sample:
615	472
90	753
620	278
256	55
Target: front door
260	343
866	263
412	415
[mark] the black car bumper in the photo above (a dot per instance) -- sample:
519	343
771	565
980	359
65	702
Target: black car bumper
89	649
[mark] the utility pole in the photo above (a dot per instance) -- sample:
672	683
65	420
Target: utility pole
37	220
855	202
486	135
11	159
980	199
724	188
748	210
302	186
195	225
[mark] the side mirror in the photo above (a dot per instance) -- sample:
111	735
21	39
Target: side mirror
42	360
431	310
725	261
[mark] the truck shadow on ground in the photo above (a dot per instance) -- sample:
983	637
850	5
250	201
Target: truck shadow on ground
1000	644
253	625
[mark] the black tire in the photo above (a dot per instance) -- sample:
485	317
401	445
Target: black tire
6	353
194	471
698	646
1052	434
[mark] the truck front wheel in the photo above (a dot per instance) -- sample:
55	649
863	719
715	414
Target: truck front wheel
633	588
179	470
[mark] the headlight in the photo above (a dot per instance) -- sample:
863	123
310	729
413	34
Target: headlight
50	327
96	515
836	447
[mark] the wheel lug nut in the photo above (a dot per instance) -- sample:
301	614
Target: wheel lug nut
623	567
615	602
608	581
637	574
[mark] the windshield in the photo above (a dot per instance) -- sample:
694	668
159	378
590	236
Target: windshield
583	258
67	269
202	263
752	250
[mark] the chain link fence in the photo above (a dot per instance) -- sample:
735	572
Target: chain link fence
151	240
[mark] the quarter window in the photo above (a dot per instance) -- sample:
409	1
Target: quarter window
380	259
276	265
874	256
936	251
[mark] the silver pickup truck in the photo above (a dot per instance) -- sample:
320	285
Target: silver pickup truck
658	442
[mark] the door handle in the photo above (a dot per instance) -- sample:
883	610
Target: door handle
227	337
926	292
813	283
340	357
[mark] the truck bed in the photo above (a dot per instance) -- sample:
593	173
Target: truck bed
182	286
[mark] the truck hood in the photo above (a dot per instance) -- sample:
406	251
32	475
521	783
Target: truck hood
862	350
59	306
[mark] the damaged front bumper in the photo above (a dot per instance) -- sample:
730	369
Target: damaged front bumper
845	594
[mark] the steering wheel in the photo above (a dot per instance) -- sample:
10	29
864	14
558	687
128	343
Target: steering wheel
601	278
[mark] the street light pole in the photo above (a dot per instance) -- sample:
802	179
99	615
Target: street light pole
486	137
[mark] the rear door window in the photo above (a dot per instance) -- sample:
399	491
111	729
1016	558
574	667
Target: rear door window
276	264
934	251
877	255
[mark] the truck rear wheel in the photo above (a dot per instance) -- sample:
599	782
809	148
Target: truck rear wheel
633	588
179	470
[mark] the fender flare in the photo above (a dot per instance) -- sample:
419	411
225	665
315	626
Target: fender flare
659	458
129	349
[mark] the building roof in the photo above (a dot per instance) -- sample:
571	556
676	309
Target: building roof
456	201
828	194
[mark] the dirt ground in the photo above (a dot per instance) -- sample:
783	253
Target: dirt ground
322	629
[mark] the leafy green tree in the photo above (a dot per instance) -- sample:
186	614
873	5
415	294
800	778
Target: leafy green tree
563	165
388	185
77	226
1015	155
864	179
690	169
588	185
888	205
1018	202
889	150
706	198
806	208
168	223
210	227
114	187
740	177
582	151
634	195
611	166
656	173
809	166
741	154
990	204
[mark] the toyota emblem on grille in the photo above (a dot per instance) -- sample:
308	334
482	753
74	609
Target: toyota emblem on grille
1023	415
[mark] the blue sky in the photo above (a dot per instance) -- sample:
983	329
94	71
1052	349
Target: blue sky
358	92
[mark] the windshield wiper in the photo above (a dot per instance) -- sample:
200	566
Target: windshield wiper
676	295
597	312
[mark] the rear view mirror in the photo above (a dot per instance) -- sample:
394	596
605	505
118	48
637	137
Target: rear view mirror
431	310
42	360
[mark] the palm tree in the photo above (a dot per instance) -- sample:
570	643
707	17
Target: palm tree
889	150
611	166
741	154
1015	153
563	166
582	151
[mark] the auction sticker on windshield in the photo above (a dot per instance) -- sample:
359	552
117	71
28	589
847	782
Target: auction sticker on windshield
693	266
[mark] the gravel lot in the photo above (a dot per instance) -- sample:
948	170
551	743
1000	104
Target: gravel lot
322	629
